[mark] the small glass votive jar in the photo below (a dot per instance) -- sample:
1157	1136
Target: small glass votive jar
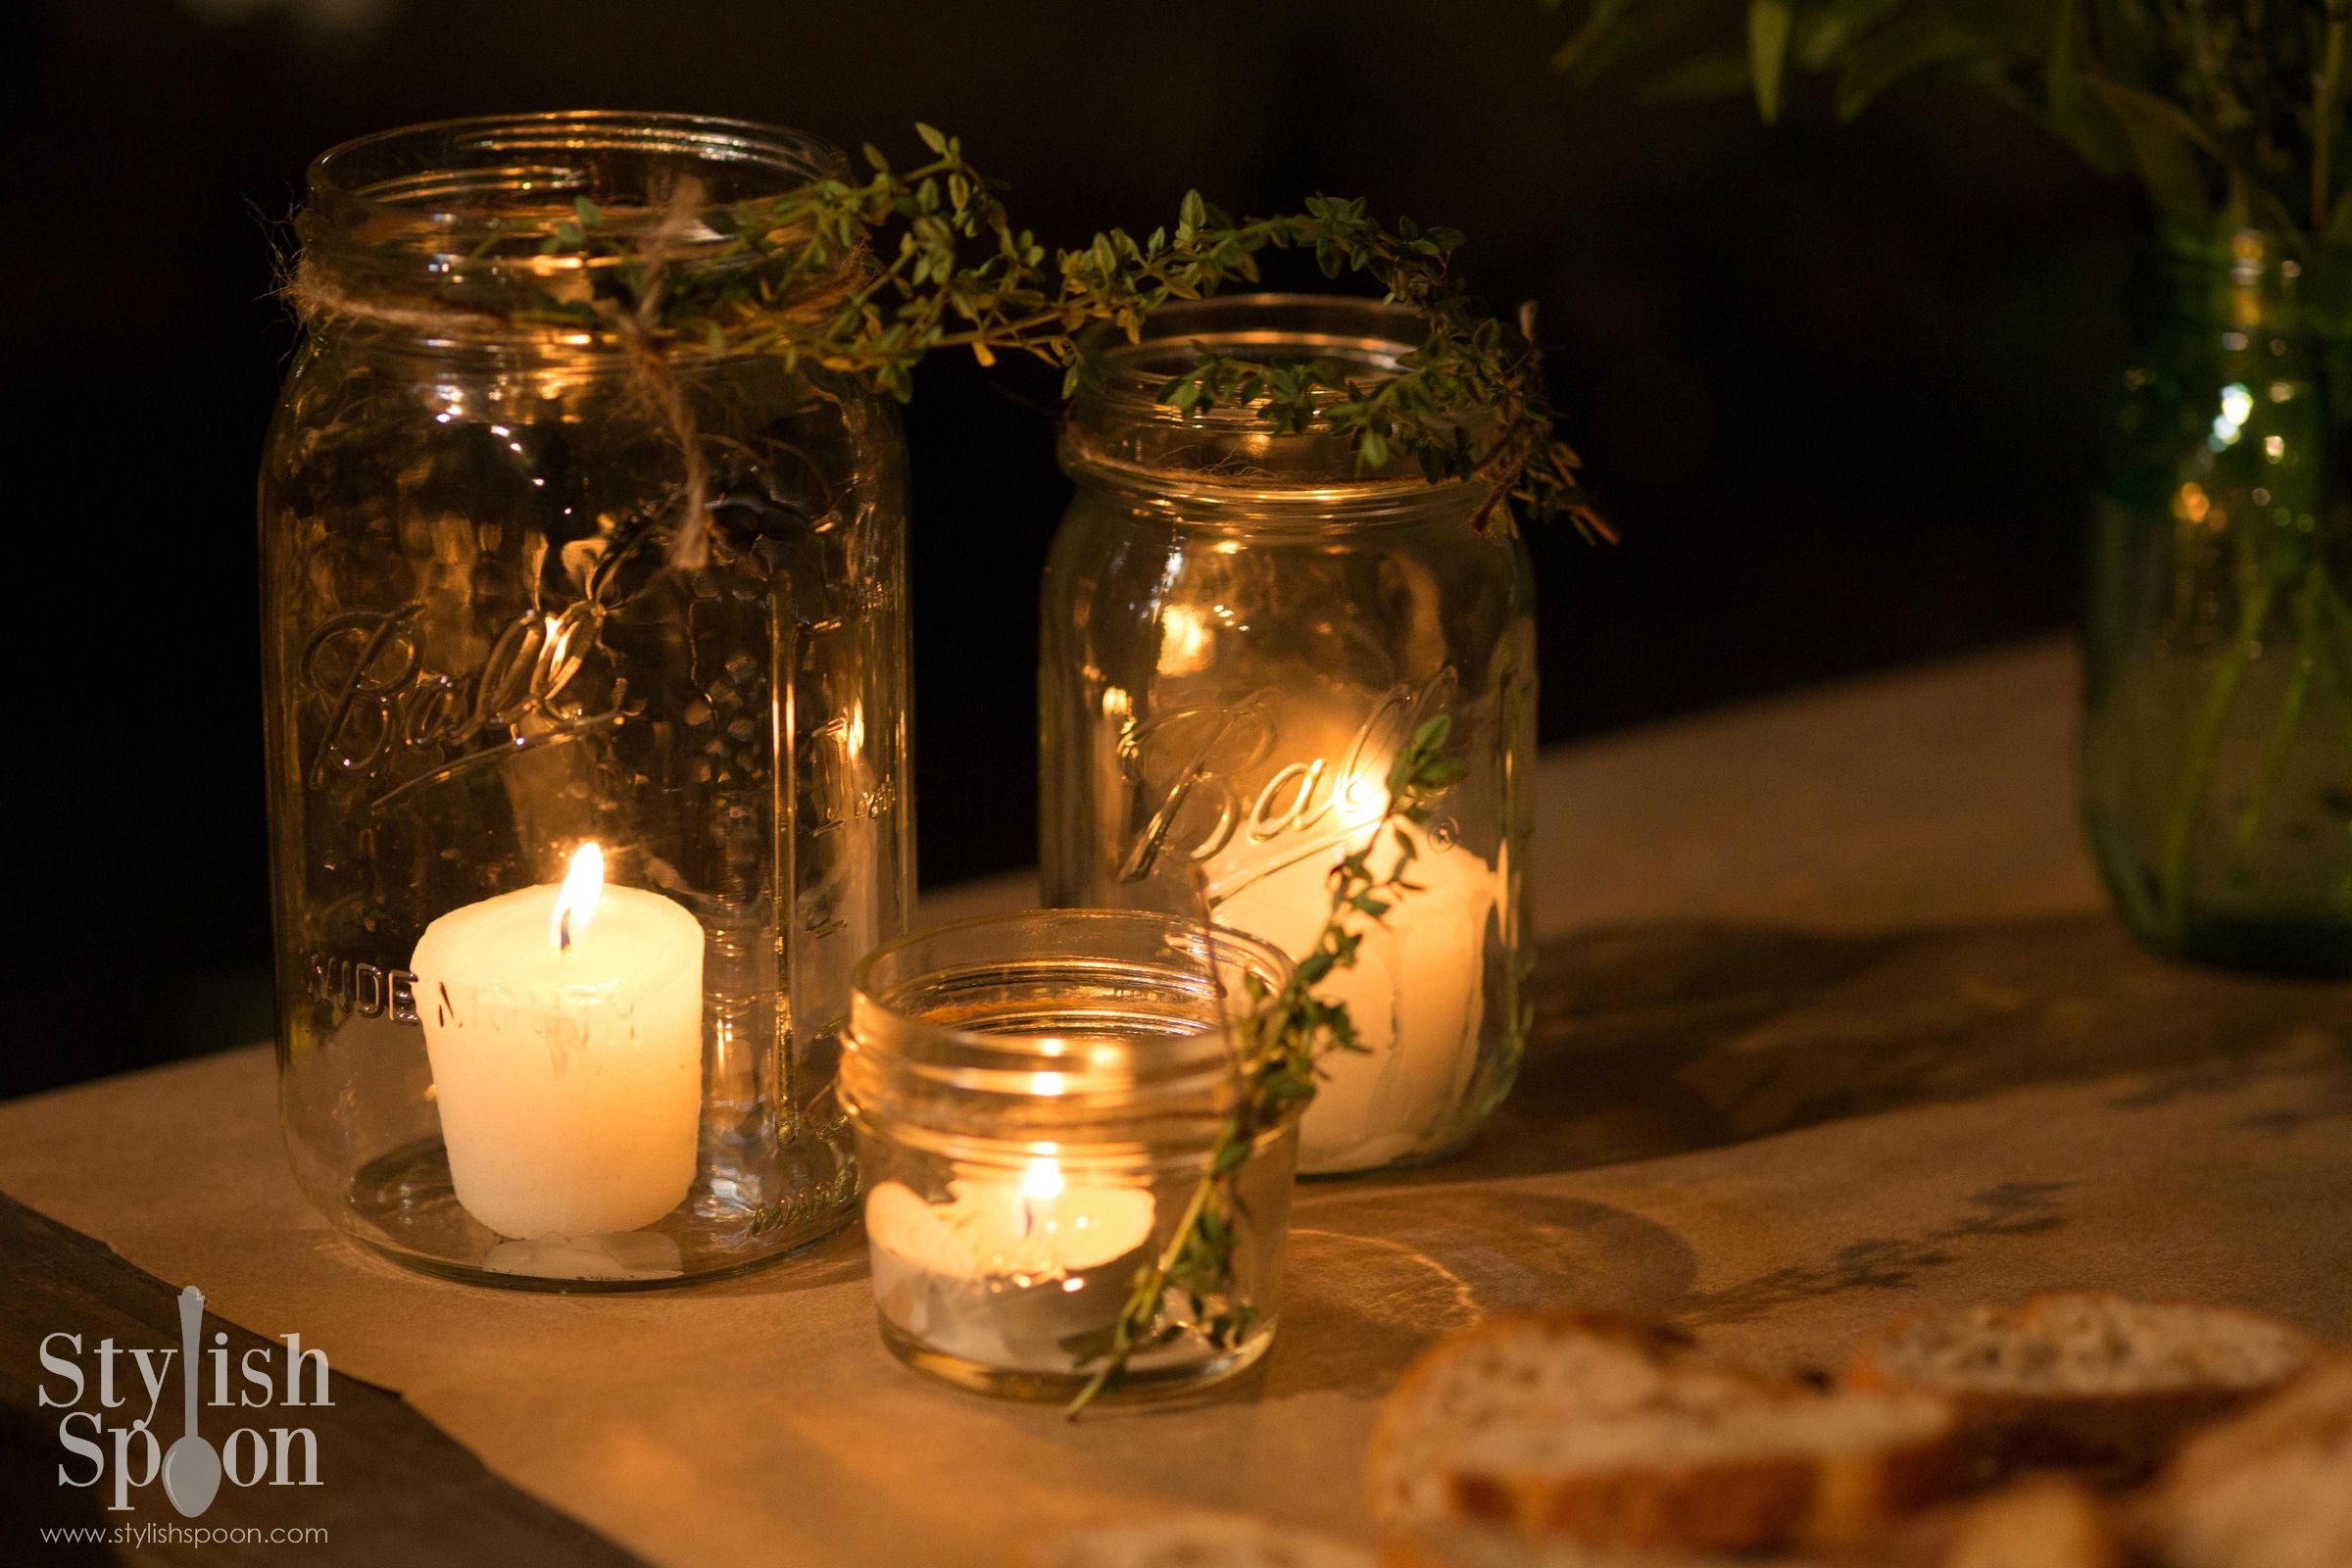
1036	1098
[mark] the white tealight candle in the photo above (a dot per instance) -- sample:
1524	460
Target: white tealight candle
1416	997
1007	1273
564	1028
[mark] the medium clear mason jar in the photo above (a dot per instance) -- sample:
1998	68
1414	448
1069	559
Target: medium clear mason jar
574	842
1038	1097
1240	632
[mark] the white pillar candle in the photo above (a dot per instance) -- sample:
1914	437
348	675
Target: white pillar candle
1416	996
564	1028
1009	1272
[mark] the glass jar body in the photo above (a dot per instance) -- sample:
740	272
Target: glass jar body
2217	737
480	656
1225	681
1038	1101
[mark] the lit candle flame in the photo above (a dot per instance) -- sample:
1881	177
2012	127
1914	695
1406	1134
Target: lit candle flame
1362	796
1042	1178
576	900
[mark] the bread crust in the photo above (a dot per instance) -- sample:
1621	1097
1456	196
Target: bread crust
1195	1537
2113	1438
2038	1521
1391	1429
2270	1485
2313	1409
1761	1504
1748	1503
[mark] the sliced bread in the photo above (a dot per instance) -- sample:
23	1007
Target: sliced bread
1199	1541
2083	1379
2039	1521
2271	1488
1521	1369
1488	1547
1608	1431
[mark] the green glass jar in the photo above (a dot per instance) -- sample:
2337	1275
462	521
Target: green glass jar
2216	738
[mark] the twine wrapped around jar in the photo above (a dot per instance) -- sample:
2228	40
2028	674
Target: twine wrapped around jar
637	326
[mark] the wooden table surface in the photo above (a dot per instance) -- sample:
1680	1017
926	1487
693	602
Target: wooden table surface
1833	1024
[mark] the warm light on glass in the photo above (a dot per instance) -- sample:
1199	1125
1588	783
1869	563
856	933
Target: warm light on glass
1183	634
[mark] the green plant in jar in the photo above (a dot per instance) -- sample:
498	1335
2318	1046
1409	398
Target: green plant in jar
2217	732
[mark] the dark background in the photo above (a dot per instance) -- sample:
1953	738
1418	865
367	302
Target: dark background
1839	388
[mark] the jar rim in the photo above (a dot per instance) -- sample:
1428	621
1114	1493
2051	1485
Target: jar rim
1106	1072
1355	329
446	218
408	169
1120	433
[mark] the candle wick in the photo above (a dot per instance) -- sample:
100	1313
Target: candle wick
564	932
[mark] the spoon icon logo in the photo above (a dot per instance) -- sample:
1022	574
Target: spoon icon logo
262	1438
191	1468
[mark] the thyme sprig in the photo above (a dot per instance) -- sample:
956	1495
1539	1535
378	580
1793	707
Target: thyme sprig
867	275
1281	1042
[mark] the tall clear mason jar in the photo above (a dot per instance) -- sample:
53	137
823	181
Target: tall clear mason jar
573	844
1240	632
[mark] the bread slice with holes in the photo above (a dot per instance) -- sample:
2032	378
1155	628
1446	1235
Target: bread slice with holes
2083	1379
2038	1521
1199	1541
1488	1547
1613	1433
2270	1488
2045	1521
